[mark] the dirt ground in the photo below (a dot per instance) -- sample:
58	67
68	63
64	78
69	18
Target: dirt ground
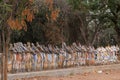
97	75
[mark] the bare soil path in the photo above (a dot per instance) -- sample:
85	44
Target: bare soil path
97	75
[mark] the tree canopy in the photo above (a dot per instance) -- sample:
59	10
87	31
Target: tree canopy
90	22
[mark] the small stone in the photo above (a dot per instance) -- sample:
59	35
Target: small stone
99	72
106	73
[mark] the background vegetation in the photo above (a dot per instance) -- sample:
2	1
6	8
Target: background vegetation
90	22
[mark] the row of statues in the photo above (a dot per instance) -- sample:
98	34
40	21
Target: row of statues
31	57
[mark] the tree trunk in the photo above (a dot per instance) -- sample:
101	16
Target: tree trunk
84	32
5	41
117	29
2	66
6	60
0	43
3	55
6	50
95	35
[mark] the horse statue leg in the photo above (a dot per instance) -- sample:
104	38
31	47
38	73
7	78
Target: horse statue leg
42	60
46	61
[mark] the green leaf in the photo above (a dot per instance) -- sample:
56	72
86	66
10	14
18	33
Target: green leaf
0	0
8	8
